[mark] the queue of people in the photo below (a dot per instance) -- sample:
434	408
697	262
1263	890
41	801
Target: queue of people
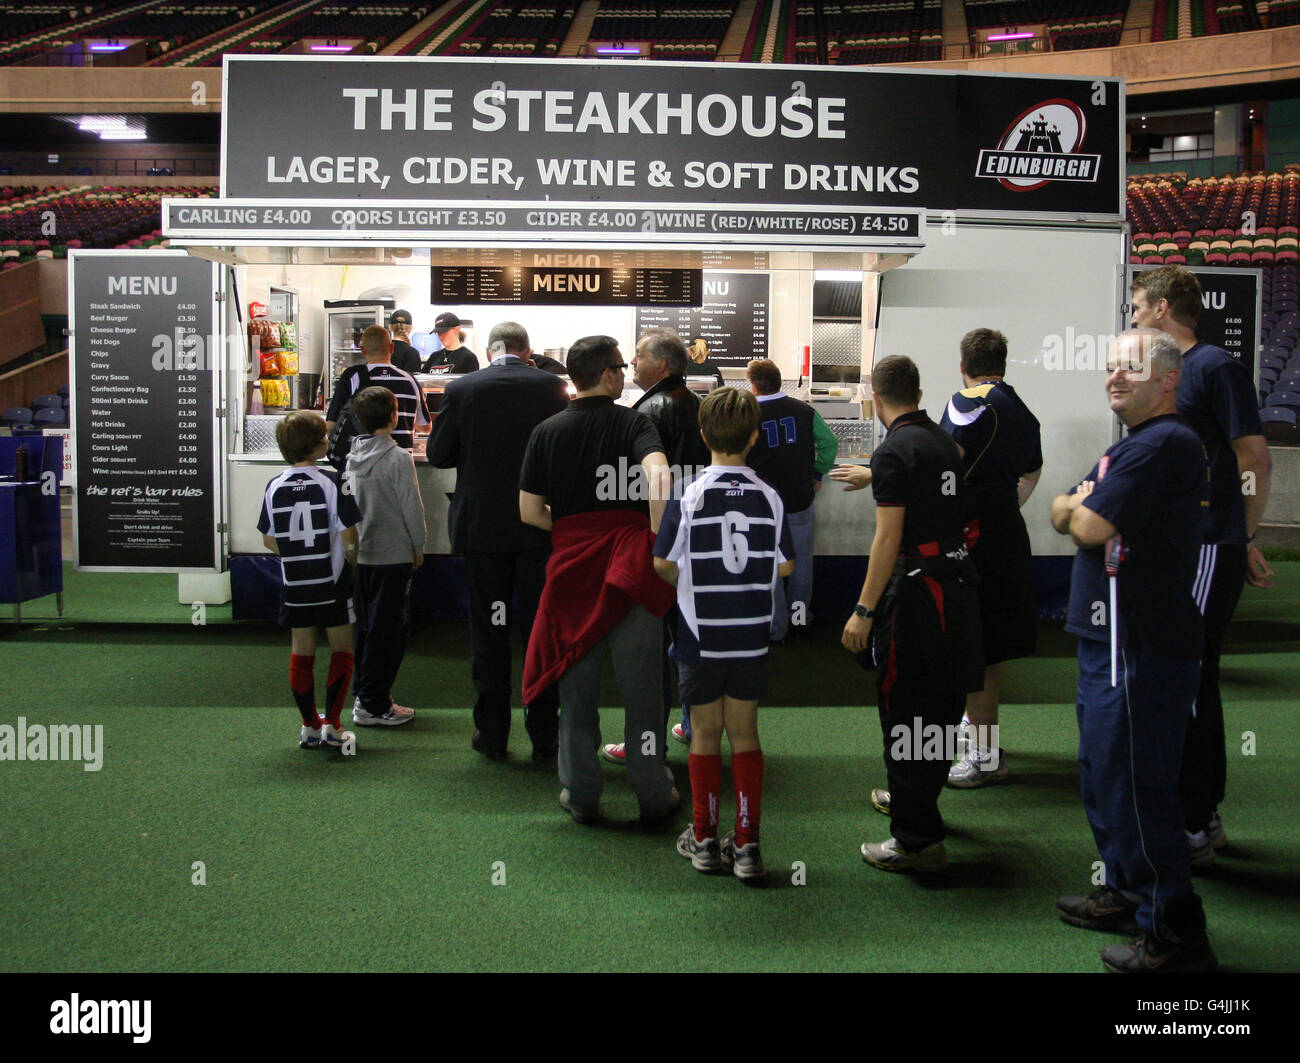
678	568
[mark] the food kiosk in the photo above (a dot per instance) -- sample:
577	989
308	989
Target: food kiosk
823	217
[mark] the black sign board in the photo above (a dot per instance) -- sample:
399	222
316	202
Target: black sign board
566	286
691	135
732	319
143	392
1230	312
1230	301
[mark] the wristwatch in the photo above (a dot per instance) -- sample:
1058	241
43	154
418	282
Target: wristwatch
863	611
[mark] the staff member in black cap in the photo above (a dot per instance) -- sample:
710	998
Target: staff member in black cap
453	358
405	357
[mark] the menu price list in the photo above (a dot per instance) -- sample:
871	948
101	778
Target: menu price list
732	318
566	286
1229	316
144	411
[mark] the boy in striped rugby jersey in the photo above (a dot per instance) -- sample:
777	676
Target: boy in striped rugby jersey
724	545
310	522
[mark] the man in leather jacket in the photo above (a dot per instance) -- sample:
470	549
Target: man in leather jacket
659	368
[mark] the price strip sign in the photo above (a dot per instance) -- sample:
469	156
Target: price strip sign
537	224
144	383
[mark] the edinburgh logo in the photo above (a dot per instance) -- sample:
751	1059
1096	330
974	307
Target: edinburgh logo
1039	147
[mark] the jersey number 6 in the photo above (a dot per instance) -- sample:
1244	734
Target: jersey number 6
735	547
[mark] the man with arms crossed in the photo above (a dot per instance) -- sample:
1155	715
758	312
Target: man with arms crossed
1137	518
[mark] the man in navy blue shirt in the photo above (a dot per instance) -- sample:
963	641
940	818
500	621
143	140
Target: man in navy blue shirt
1216	397
1002	458
1140	510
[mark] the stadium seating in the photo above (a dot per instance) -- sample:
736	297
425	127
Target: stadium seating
691	29
92	216
1247	220
506	31
870	31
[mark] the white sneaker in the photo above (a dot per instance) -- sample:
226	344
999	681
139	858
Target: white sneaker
963	737
336	738
1200	849
309	737
978	768
1215	832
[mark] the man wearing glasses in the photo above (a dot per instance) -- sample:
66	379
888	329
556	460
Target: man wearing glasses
596	477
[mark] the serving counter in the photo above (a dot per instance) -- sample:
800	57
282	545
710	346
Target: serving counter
845	519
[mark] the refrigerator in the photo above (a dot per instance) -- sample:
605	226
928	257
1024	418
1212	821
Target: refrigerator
344	324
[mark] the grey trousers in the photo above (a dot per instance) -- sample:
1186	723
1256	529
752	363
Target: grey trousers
636	646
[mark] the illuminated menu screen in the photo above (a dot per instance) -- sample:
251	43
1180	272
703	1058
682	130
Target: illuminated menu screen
732	318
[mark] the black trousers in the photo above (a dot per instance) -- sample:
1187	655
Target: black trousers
382	598
928	650
911	714
1205	766
504	588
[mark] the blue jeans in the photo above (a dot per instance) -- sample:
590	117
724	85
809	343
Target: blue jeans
795	589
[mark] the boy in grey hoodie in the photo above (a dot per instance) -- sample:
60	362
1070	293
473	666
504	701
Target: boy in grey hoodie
381	476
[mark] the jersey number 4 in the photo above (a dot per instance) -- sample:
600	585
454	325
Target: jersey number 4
773	438
300	529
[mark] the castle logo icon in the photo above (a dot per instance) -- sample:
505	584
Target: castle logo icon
1042	145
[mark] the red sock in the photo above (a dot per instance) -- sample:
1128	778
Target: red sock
747	774
706	781
340	678
303	684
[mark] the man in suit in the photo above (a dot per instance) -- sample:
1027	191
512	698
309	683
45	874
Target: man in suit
481	430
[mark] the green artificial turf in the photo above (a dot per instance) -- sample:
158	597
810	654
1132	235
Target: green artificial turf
386	861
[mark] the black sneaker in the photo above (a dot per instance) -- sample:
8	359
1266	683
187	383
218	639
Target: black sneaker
585	818
1149	955
1103	909
479	744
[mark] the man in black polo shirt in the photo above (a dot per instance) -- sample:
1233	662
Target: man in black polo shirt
919	596
1140	512
595	476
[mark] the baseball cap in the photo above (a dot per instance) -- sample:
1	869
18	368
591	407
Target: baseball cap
402	317
445	321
